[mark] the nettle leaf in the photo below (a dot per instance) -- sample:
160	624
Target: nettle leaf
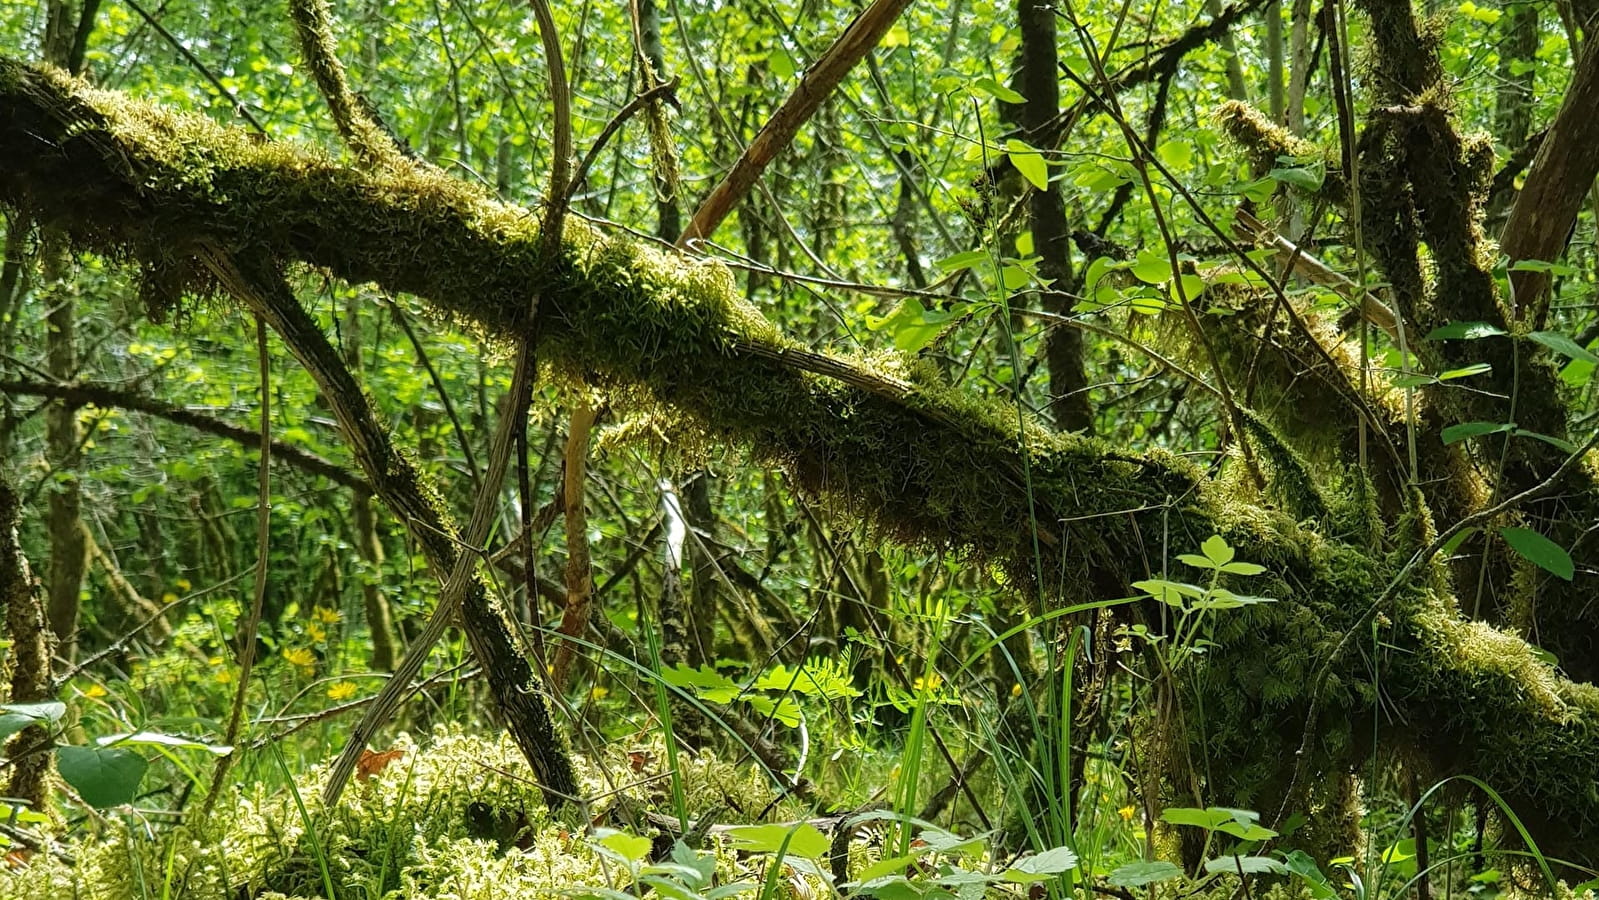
1143	873
1464	331
1456	433
102	776
1563	345
1029	162
1540	551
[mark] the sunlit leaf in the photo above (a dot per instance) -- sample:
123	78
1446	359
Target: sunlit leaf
1540	551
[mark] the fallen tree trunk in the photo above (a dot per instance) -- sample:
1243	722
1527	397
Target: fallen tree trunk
884	442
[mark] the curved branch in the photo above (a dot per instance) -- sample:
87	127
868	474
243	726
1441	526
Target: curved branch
108	397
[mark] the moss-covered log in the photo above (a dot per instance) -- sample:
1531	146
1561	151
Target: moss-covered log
882	442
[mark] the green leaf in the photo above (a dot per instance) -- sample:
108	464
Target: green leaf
1029	162
1465	371
1208	819
1301	864
1152	267
102	776
964	260
1249	865
1413	380
911	325
1464	331
630	847
807	842
1041	866
782	709
1456	433
1139	874
16	716
1540	551
883	868
1192	286
1559	270
705	682
1563	345
998	91
940	841
1176	154
1169	592
1217	550
781	63
1243	568
1302	178
1549	439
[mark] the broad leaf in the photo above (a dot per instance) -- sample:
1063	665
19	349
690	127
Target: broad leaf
102	776
1029	162
1042	866
1563	345
804	840
1540	551
1249	865
1464	331
1139	874
16	716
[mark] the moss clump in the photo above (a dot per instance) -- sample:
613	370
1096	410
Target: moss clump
409	828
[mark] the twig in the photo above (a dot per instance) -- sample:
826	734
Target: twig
263	546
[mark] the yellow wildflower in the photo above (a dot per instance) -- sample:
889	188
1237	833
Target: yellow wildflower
326	616
341	690
316	632
1127	812
301	657
94	692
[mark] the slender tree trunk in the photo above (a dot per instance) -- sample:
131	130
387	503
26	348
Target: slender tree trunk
63	450
368	546
1518	45
1037	80
27	663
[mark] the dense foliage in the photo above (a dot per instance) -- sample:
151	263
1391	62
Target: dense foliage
916	450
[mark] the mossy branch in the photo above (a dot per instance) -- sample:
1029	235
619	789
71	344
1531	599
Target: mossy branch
916	461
